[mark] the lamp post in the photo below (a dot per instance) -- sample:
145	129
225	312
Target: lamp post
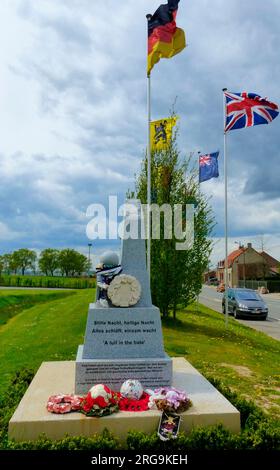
89	247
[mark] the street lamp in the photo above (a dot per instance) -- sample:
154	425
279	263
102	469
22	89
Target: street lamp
89	247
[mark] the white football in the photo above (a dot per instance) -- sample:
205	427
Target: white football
132	389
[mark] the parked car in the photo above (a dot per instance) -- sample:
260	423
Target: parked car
245	303
213	281
221	287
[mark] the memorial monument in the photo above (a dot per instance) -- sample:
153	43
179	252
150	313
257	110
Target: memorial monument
121	343
125	342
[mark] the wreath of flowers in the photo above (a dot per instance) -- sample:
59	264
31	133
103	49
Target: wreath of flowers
61	404
102	401
130	404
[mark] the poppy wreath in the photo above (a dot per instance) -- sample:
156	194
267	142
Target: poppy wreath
130	404
100	401
61	404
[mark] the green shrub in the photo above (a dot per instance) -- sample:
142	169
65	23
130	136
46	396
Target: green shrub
200	438
14	280
10	400
98	442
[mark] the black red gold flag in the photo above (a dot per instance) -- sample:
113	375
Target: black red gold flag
164	38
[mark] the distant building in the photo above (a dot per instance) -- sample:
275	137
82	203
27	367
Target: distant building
247	263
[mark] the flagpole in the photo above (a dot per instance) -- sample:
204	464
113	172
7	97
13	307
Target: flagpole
198	153
226	212
148	167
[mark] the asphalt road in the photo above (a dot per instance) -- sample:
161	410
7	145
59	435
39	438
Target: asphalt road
213	299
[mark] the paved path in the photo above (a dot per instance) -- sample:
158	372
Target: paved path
213	299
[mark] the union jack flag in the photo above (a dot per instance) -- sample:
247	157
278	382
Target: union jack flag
248	109
205	160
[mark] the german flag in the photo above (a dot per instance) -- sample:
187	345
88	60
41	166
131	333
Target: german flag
164	38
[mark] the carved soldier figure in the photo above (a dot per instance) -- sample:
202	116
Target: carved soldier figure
106	271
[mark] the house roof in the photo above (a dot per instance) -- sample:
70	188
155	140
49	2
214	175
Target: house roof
233	255
272	262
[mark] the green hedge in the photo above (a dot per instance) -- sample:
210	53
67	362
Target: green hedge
259	432
15	280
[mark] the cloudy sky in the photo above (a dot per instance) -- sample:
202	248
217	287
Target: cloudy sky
73	112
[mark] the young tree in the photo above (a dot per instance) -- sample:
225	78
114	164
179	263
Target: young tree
49	261
176	275
24	259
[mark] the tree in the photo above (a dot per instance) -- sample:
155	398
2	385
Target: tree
24	259
2	264
176	276
82	264
49	261
10	263
72	262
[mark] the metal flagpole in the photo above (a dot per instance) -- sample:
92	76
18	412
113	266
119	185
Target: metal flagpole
198	154
149	168
226	213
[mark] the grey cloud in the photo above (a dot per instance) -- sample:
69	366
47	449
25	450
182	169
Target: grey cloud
68	28
264	183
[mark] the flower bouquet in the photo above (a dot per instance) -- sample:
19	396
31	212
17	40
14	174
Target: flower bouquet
169	399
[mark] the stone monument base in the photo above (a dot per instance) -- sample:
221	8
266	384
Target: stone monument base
152	372
31	417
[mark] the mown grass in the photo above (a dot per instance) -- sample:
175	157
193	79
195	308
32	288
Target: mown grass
13	302
242	358
45	332
245	360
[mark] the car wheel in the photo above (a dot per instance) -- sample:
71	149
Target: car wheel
235	314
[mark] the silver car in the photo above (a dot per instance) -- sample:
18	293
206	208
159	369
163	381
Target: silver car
245	303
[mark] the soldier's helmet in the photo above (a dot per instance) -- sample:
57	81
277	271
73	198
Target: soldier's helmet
109	259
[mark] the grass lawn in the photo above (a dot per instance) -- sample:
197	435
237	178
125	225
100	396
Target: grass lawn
13	301
48	331
244	359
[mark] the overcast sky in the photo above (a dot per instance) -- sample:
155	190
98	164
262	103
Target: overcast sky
73	112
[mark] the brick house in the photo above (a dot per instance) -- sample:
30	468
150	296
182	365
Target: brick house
245	263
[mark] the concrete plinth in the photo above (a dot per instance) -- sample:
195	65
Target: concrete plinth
32	419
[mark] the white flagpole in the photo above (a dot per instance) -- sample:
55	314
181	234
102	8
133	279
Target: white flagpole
226	213
198	153
149	168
